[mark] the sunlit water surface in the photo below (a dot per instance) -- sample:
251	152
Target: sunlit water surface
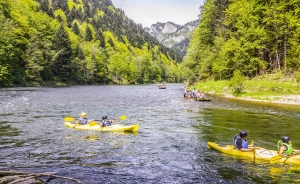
169	147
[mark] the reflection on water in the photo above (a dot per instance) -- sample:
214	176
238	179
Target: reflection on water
169	147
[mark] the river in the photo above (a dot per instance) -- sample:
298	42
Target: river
169	147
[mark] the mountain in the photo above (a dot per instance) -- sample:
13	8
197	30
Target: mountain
59	42
172	35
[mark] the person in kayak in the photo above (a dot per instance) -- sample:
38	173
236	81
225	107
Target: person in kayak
285	147
105	122
240	142
195	93
185	92
83	119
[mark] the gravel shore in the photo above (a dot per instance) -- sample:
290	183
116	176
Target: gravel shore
284	99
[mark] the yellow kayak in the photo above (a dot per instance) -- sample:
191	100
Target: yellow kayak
112	128
260	154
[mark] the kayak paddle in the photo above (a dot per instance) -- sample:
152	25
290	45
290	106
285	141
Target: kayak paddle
93	123
69	119
123	117
276	159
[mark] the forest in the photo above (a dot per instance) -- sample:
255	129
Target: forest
59	42
247	38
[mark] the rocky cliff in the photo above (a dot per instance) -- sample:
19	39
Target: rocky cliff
172	35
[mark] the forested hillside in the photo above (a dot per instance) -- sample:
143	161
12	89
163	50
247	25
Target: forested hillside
250	37
46	42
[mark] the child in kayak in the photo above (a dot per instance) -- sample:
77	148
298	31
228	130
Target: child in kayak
105	122
83	119
285	147
240	142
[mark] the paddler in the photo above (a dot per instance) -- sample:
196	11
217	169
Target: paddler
105	122
285	147
83	119
240	142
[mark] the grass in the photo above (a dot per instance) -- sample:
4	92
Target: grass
265	87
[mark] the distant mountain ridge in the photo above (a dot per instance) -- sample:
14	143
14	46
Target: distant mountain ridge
172	35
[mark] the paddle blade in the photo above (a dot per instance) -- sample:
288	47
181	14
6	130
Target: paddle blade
69	119
93	123
123	117
275	159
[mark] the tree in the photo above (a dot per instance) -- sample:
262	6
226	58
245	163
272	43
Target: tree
38	57
75	28
63	56
100	37
50	12
44	5
93	68
88	34
72	15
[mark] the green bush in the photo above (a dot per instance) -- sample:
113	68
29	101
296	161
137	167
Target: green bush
236	83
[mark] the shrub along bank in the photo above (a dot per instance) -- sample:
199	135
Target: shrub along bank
269	87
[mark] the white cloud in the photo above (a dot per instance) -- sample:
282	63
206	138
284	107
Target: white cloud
148	12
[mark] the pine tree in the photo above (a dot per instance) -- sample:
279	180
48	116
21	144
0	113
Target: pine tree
88	34
100	37
111	43
72	15
61	4
62	59
59	19
50	12
75	28
44	5
93	68
80	54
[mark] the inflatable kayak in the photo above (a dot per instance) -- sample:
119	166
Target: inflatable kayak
205	99
260	154
112	128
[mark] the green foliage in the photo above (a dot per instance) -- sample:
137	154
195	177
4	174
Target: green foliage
60	14
7	50
264	87
81	41
236	82
111	8
253	37
38	57
63	56
76	5
100	37
99	14
4	76
297	76
75	28
88	34
217	87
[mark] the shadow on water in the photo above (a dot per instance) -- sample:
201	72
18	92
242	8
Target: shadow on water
7	132
169	147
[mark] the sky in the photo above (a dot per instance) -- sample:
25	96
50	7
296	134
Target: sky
148	12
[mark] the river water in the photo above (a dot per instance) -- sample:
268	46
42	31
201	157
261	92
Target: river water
169	147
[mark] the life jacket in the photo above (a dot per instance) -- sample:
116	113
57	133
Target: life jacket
83	121
106	123
289	147
244	142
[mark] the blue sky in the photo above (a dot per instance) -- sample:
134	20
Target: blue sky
149	12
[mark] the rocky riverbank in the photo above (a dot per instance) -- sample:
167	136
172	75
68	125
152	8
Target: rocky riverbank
284	99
